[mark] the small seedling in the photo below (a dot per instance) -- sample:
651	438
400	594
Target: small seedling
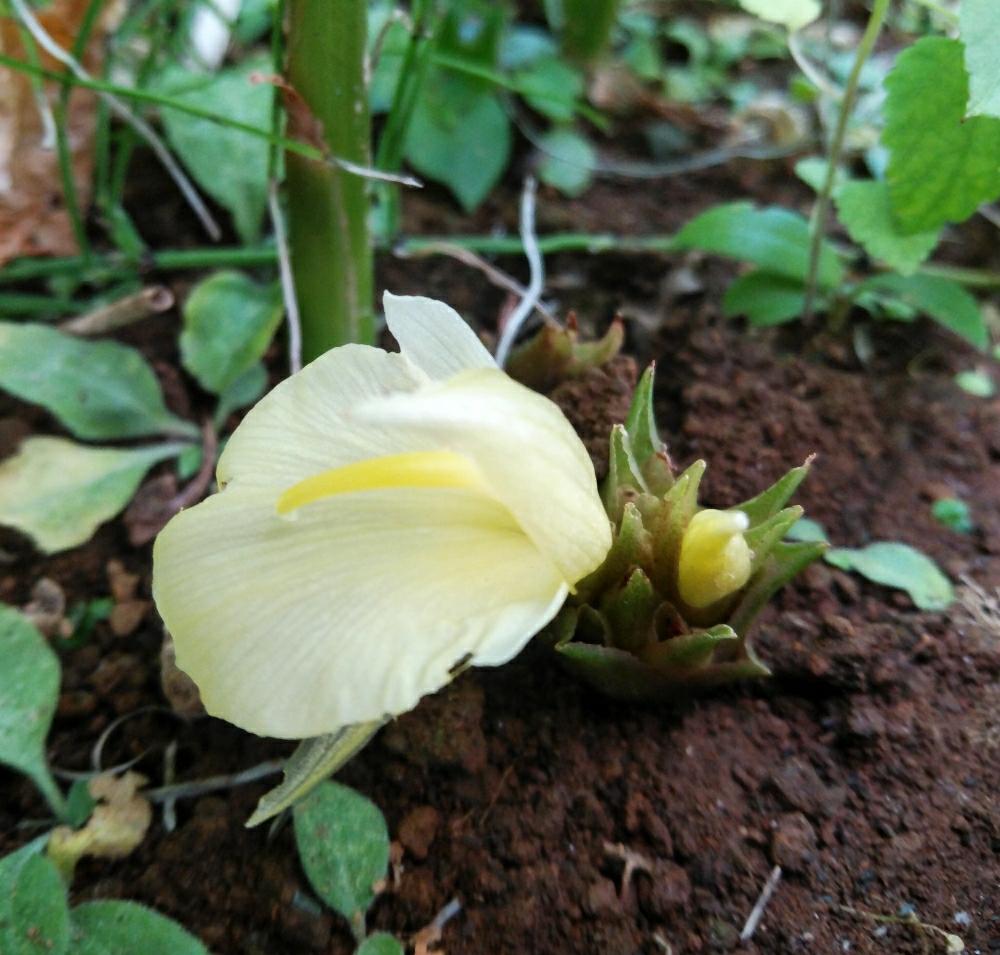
673	603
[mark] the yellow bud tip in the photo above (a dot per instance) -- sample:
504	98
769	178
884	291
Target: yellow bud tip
414	469
715	558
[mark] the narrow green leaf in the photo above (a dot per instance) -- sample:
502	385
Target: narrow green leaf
127	928
629	612
229	320
901	566
29	690
96	389
624	479
344	847
58	492
640	423
775	239
691	650
942	166
979	28
865	210
947	302
313	761
230	165
766	299
762	537
769	502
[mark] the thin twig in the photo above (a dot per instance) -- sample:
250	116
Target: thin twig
495	275
818	79
141	127
757	912
287	279
199	787
536	272
132	308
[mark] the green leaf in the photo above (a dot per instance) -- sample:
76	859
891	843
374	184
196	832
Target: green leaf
775	239
812	171
979	27
568	161
246	390
229	320
942	166
381	943
344	847
793	14
230	165
34	914
947	302
79	803
805	529
29	690
764	298
978	383
96	389
127	928
58	491
900	566
551	87
769	502
464	144
953	513
866	212
313	761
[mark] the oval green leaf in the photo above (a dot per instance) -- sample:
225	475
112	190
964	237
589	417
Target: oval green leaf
898	565
127	928
34	914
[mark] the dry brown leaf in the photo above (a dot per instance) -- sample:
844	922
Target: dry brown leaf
116	827
33	216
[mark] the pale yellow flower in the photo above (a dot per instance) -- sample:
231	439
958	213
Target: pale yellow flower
383	517
715	558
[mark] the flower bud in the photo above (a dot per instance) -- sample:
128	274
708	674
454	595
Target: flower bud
715	558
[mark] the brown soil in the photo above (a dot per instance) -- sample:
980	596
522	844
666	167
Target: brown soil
867	768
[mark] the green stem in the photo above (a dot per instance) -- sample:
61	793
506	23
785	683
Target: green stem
328	208
874	26
48	787
976	278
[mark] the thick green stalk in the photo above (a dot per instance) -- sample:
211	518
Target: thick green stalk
875	20
328	207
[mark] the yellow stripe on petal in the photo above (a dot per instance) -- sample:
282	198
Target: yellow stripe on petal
412	470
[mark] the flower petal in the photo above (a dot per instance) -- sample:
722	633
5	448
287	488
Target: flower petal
299	429
434	336
528	453
351	610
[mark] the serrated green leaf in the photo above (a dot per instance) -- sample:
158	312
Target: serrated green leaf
979	28
942	166
793	14
313	761
775	239
568	161
865	210
380	943
230	165
947	302
34	913
344	847
229	320
127	928
29	690
58	492
901	566
764	298
463	142
96	389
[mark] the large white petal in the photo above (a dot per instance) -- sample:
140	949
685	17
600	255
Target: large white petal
530	456
350	611
302	426
434	336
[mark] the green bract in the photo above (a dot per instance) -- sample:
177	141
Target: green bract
627	630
